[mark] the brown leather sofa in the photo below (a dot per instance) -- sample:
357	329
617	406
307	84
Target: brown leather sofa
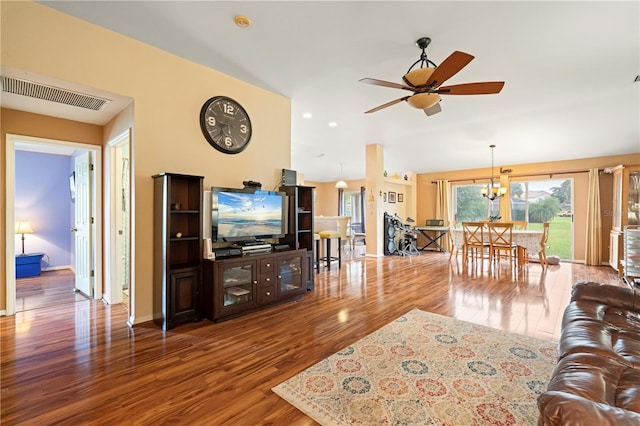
597	378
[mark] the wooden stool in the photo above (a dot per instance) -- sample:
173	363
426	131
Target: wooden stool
328	236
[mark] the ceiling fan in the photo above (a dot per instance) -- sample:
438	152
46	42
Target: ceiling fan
425	82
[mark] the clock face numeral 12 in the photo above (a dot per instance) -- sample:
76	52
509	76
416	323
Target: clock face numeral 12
225	124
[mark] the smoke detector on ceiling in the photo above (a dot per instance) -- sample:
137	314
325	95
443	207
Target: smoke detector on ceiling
242	21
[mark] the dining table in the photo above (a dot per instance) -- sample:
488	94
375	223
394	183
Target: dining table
525	238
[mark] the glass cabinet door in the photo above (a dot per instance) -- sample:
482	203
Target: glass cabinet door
290	274
633	200
238	284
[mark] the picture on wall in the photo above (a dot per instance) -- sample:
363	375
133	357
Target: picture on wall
400	198
392	197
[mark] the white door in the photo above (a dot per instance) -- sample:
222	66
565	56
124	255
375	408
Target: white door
83	224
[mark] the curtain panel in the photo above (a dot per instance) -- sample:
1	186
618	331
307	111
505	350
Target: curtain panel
593	255
443	207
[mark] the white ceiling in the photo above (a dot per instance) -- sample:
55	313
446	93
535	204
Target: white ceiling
569	69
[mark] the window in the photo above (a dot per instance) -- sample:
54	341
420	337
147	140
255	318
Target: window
535	201
353	207
470	206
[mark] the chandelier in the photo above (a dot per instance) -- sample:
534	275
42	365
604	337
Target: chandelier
492	190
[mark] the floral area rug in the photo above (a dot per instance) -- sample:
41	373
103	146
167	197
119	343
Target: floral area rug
427	369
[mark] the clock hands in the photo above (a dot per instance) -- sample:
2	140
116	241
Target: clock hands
225	124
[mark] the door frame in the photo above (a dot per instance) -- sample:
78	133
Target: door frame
113	292
10	267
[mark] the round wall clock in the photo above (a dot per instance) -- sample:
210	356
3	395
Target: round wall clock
225	124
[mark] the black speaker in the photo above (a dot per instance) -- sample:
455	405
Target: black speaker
389	235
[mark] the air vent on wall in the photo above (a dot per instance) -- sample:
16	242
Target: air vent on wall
51	93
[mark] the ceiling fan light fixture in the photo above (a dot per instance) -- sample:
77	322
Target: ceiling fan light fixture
418	77
423	100
425	81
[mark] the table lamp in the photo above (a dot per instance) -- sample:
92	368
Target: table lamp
23	227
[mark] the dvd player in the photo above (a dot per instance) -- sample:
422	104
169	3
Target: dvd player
256	248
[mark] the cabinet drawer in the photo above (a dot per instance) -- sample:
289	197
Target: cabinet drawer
266	295
266	280
266	266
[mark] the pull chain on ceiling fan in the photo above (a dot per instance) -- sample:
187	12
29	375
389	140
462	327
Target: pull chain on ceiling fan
425	81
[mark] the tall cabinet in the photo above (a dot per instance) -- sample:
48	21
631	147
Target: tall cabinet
300	234
177	257
625	211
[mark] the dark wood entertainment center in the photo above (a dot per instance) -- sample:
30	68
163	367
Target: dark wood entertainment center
237	285
188	288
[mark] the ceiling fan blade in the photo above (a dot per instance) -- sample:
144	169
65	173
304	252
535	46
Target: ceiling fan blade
448	68
485	88
388	104
433	109
377	82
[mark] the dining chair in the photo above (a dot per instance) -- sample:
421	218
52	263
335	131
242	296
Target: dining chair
520	224
474	242
501	241
346	237
542	254
357	234
452	247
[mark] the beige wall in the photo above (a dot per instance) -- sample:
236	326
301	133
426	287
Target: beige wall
427	190
327	196
168	93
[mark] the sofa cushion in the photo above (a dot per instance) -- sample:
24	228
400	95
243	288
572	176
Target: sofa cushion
588	389
606	294
596	328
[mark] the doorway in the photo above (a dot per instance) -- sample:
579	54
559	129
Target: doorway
118	222
14	142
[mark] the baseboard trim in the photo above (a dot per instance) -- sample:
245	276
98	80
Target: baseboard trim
135	321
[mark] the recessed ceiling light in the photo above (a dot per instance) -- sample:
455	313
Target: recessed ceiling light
242	21
333	124
307	115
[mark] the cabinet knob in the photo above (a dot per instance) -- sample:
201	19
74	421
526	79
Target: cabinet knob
268	265
268	279
268	293
279	276
255	282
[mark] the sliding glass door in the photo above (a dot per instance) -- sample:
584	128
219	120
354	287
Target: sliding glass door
549	200
534	201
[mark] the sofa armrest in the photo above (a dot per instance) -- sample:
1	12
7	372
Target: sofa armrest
621	297
564	409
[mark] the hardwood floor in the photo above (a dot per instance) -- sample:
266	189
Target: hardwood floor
51	288
79	363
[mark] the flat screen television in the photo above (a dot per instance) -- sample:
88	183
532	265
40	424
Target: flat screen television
247	214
